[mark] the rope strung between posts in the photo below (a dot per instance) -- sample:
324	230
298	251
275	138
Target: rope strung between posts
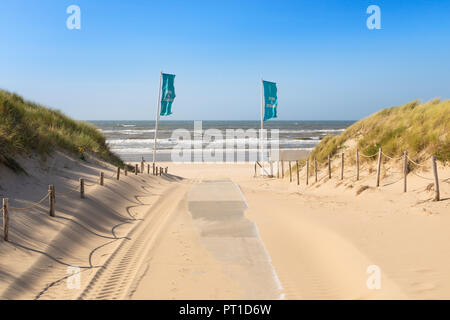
33	205
366	156
423	165
392	158
417	164
391	172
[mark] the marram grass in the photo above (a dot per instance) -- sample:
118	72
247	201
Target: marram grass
27	128
421	129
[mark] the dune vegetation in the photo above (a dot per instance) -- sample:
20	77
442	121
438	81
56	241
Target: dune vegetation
421	129
27	128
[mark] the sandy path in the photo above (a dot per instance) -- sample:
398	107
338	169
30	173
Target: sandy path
322	238
115	279
218	250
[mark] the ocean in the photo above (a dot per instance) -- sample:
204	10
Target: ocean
132	140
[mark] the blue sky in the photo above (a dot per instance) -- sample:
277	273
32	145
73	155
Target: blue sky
327	63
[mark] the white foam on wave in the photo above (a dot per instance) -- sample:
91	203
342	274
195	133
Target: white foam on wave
141	131
219	142
128	151
130	131
311	130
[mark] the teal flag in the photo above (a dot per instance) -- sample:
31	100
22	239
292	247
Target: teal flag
168	94
270	100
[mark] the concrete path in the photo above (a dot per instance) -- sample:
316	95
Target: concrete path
217	208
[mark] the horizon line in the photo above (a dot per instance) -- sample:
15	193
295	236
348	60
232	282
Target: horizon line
216	120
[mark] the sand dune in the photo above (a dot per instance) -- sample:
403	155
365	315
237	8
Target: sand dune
84	233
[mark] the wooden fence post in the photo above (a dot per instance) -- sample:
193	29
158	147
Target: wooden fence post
118	173
436	179
154	173
342	166
290	172
315	169
278	169
5	219
81	188
51	200
357	164
102	178
255	170
126	170
379	167
298	174
142	165
329	167
167	168
136	169
148	168
282	169
405	170
307	171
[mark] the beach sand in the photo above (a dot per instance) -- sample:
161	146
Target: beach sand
213	231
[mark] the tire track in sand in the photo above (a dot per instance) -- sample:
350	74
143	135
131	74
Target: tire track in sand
115	278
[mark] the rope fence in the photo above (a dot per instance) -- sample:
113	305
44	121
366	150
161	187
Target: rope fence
52	194
32	206
314	164
389	157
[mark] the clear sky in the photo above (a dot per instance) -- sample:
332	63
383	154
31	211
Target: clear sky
327	63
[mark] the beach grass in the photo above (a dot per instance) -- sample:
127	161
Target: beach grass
27	128
421	129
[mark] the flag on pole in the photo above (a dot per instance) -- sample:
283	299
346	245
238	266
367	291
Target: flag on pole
168	94
270	100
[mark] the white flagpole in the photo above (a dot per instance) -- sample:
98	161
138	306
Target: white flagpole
262	127
157	118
